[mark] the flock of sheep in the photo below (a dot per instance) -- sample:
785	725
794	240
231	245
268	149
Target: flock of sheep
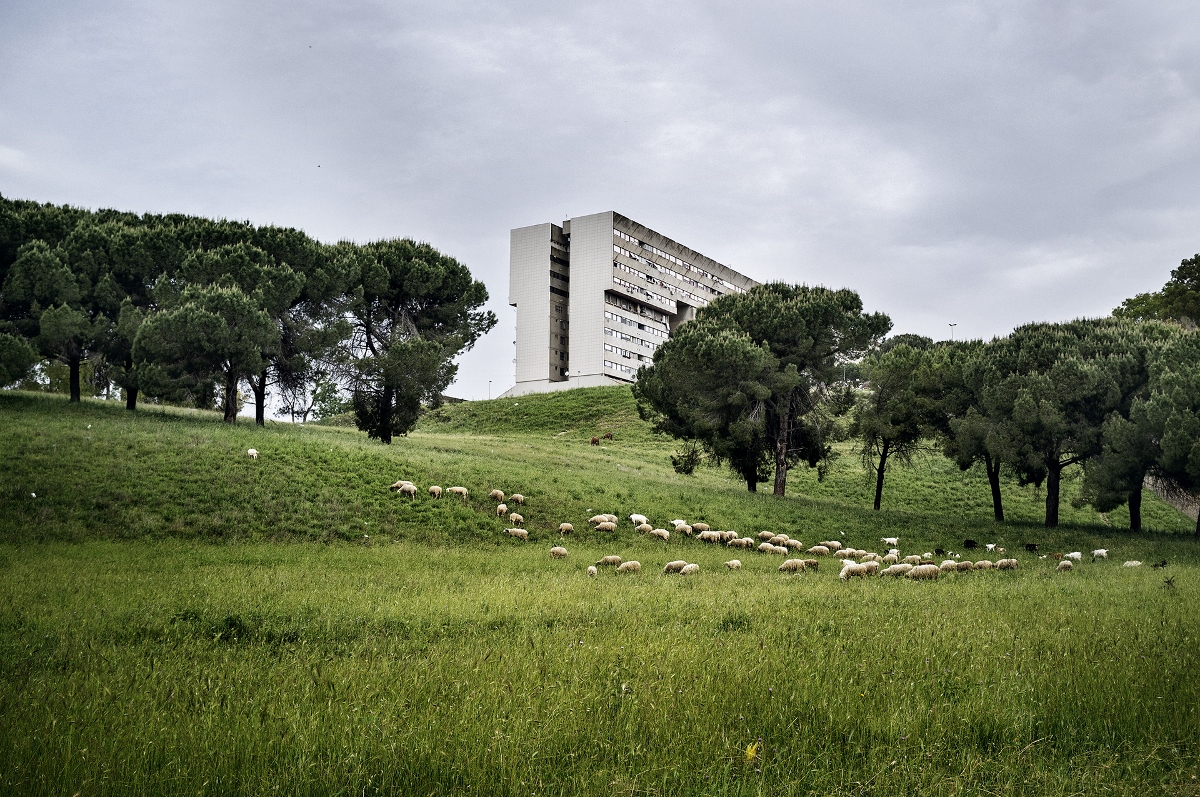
855	563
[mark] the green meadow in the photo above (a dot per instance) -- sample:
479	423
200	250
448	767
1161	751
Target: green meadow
178	618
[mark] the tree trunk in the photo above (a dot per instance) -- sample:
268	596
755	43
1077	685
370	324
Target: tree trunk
883	455
130	392
1198	524
1053	477
751	477
385	416
230	397
259	386
993	474
781	447
73	367
1135	509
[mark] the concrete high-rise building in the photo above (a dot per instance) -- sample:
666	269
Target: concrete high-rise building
596	295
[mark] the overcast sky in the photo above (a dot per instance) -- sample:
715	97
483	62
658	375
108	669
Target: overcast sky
983	164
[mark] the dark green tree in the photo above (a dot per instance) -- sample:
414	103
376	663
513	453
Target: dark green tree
16	359
413	310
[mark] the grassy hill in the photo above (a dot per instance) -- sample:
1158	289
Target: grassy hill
415	649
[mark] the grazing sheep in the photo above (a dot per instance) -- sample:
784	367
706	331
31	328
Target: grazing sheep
644	528
677	522
991	546
765	547
1099	553
674	567
1032	547
984	564
740	542
661	534
832	545
639	520
819	550
891	559
922	572
709	536
794	545
778	539
252	453
517	498
871	557
606	526
592	571
558	552
812	564
611	559
459	491
779	549
684	529
845	553
409	490
894	551
895	570
1006	564
516	519
948	566
501	510
853	570
595	441
970	544
792	566
689	569
565	528
966	566
1074	556
911	560
520	534
1064	566
927	557
872	568
1056	556
765	535
734	564
396	487
610	518
701	526
629	567
496	495
1132	563
890	541
726	536
999	549
435	491
607	436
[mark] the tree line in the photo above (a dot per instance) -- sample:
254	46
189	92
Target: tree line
187	310
759	383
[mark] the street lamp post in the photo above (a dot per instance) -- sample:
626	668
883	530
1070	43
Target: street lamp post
952	326
489	390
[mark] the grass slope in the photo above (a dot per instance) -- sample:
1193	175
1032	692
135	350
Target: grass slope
436	656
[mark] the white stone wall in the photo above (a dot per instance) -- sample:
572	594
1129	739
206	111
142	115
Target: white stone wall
591	275
529	292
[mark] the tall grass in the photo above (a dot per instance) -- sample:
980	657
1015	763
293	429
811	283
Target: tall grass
420	651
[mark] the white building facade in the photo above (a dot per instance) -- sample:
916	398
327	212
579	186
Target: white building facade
596	295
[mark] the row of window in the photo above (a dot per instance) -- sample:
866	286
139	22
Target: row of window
647	312
625	369
554	275
558	291
612	333
670	258
700	300
651	295
620	319
626	353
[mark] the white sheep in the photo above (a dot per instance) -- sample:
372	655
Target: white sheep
592	571
984	564
598	519
684	529
766	547
674	567
677	522
853	570
629	567
734	564
921	572
701	526
991	546
911	560
459	491
644	528
638	520
765	535
1064	566
890	541
792	566
611	559
709	536
517	498
1099	553
435	491
897	569
891	559
1132	563
610	518
794	545
661	534
252	453
870	557
779	549
520	534
966	566
1074	556
689	569
819	550
501	510
740	542
558	552
496	495
948	566
410	490
396	487
1006	564
726	536
606	526
812	564
515	519
565	528
832	545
